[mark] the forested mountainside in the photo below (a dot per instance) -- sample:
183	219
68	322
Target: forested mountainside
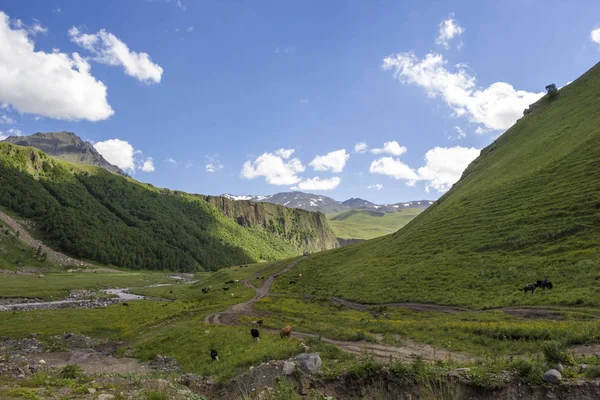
93	214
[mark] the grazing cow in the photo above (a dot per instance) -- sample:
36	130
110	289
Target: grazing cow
125	304
229	282
260	322
170	291
530	286
545	284
255	334
286	332
225	288
205	290
292	282
214	355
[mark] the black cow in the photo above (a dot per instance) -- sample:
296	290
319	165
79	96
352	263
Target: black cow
528	287
260	322
545	284
225	288
229	282
255	334
214	355
125	304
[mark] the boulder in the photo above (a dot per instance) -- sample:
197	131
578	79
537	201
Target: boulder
560	368
309	363
289	367
552	376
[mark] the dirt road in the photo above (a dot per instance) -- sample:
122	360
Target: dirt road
379	351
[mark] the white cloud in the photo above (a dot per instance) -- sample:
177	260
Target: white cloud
53	85
190	29
481	130
14	132
57	10
2	135
189	164
444	166
377	186
317	183
118	152
303	101
112	51
460	133
148	165
449	29
334	161
393	167
360	147
284	153
392	148
595	35
5	119
213	167
496	107
171	160
274	167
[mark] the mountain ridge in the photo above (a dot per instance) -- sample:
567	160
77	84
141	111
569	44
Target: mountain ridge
66	146
327	205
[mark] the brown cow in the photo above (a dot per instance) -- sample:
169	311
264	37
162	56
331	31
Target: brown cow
286	332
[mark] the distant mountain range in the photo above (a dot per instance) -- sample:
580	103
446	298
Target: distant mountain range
327	205
66	146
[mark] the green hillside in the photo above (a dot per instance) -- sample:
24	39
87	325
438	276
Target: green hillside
367	224
91	213
527	208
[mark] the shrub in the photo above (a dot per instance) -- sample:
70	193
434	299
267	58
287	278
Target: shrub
71	371
592	372
556	352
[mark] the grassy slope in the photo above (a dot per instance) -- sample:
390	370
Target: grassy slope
526	209
93	214
16	254
365	224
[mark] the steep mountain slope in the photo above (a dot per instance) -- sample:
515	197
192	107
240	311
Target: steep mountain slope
91	213
369	224
527	208
65	146
327	205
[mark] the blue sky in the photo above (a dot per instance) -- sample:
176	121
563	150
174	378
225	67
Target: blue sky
212	96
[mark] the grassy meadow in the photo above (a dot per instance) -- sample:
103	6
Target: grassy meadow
366	224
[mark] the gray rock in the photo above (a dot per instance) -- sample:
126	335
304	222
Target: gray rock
289	367
552	376
106	396
91	390
309	363
583	367
560	368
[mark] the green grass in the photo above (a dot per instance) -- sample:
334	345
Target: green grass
57	285
491	333
365	224
528	208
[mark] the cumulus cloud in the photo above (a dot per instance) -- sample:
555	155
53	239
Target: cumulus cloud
171	160
443	167
497	106
392	148
360	147
317	183
595	35
460	133
14	132
334	161
393	167
377	186
277	168
2	135
54	85
122	154
449	29
110	50
148	165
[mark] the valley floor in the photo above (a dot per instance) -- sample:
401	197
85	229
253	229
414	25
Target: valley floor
143	347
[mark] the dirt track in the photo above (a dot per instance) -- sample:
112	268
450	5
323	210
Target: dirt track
54	256
379	351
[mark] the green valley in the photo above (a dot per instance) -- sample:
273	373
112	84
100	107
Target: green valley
368	224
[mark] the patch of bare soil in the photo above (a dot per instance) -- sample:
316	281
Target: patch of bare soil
54	256
92	362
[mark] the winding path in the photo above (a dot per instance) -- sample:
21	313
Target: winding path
379	351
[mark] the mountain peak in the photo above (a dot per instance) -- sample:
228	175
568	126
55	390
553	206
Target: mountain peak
66	146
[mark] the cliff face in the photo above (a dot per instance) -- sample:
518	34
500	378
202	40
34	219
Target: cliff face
305	229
